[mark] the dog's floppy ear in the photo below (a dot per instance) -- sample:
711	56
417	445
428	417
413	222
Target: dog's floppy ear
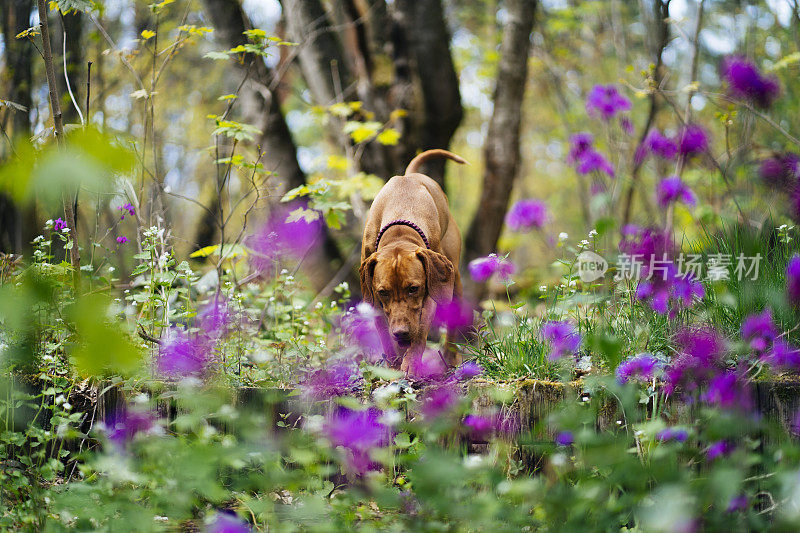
440	274
366	271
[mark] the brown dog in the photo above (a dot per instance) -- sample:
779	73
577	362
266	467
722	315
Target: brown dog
409	256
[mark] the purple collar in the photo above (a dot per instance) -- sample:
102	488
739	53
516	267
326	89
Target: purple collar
402	223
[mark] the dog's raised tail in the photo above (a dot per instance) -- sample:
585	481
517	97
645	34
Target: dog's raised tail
415	163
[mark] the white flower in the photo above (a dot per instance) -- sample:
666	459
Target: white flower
593	233
473	461
558	459
563	236
67	406
390	417
542	288
383	394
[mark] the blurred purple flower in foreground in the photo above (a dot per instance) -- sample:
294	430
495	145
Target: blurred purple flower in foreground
593	161
781	170
759	330
427	366
291	231
228	522
699	359
793	280
564	438
358	432
215	318
468	370
672	434
563	338
479	426
439	400
642	367
658	144
693	140
746	82
717	449
127	424
455	314
122	239
363	326
338	378
673	189
580	143
737	503
728	390
483	268
606	101
782	357
527	214
182	354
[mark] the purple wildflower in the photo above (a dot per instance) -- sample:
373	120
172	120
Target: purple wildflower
644	244
468	370
215	318
439	401
640	367
728	391
479	426
693	140
746	82
128	424
781	170
427	366
359	432
717	449
627	125
126	208
483	268
760	330
673	189
660	145
737	503
122	239
455	314
59	224
699	359
182	354
782	357
290	231
227	522
580	143
793	280
606	102
337	379
527	214
672	434
364	326
592	161
564	438
563	338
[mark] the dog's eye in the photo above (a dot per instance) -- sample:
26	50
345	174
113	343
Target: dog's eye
413	290
383	293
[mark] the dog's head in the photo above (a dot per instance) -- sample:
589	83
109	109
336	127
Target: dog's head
406	281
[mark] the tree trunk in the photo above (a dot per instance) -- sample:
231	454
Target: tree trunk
502	146
72	25
17	80
429	44
261	108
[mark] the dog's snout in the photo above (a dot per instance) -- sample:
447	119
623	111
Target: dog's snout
402	336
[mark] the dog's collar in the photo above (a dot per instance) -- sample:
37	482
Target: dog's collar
402	223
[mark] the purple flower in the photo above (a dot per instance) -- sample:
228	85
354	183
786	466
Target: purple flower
227	522
737	503
644	244
439	401
580	143
479	426
672	434
640	367
122	239
673	189
527	214
563	339
728	391
693	140
455	314
428	366
468	370
336	379
660	145
359	432
59	224
182	354
290	231
793	280
627	125
781	170
717	449
606	102
782	357
127	208
746	82
564	438
364	327
699	359
592	161
760	330
215	318
483	268
128	424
